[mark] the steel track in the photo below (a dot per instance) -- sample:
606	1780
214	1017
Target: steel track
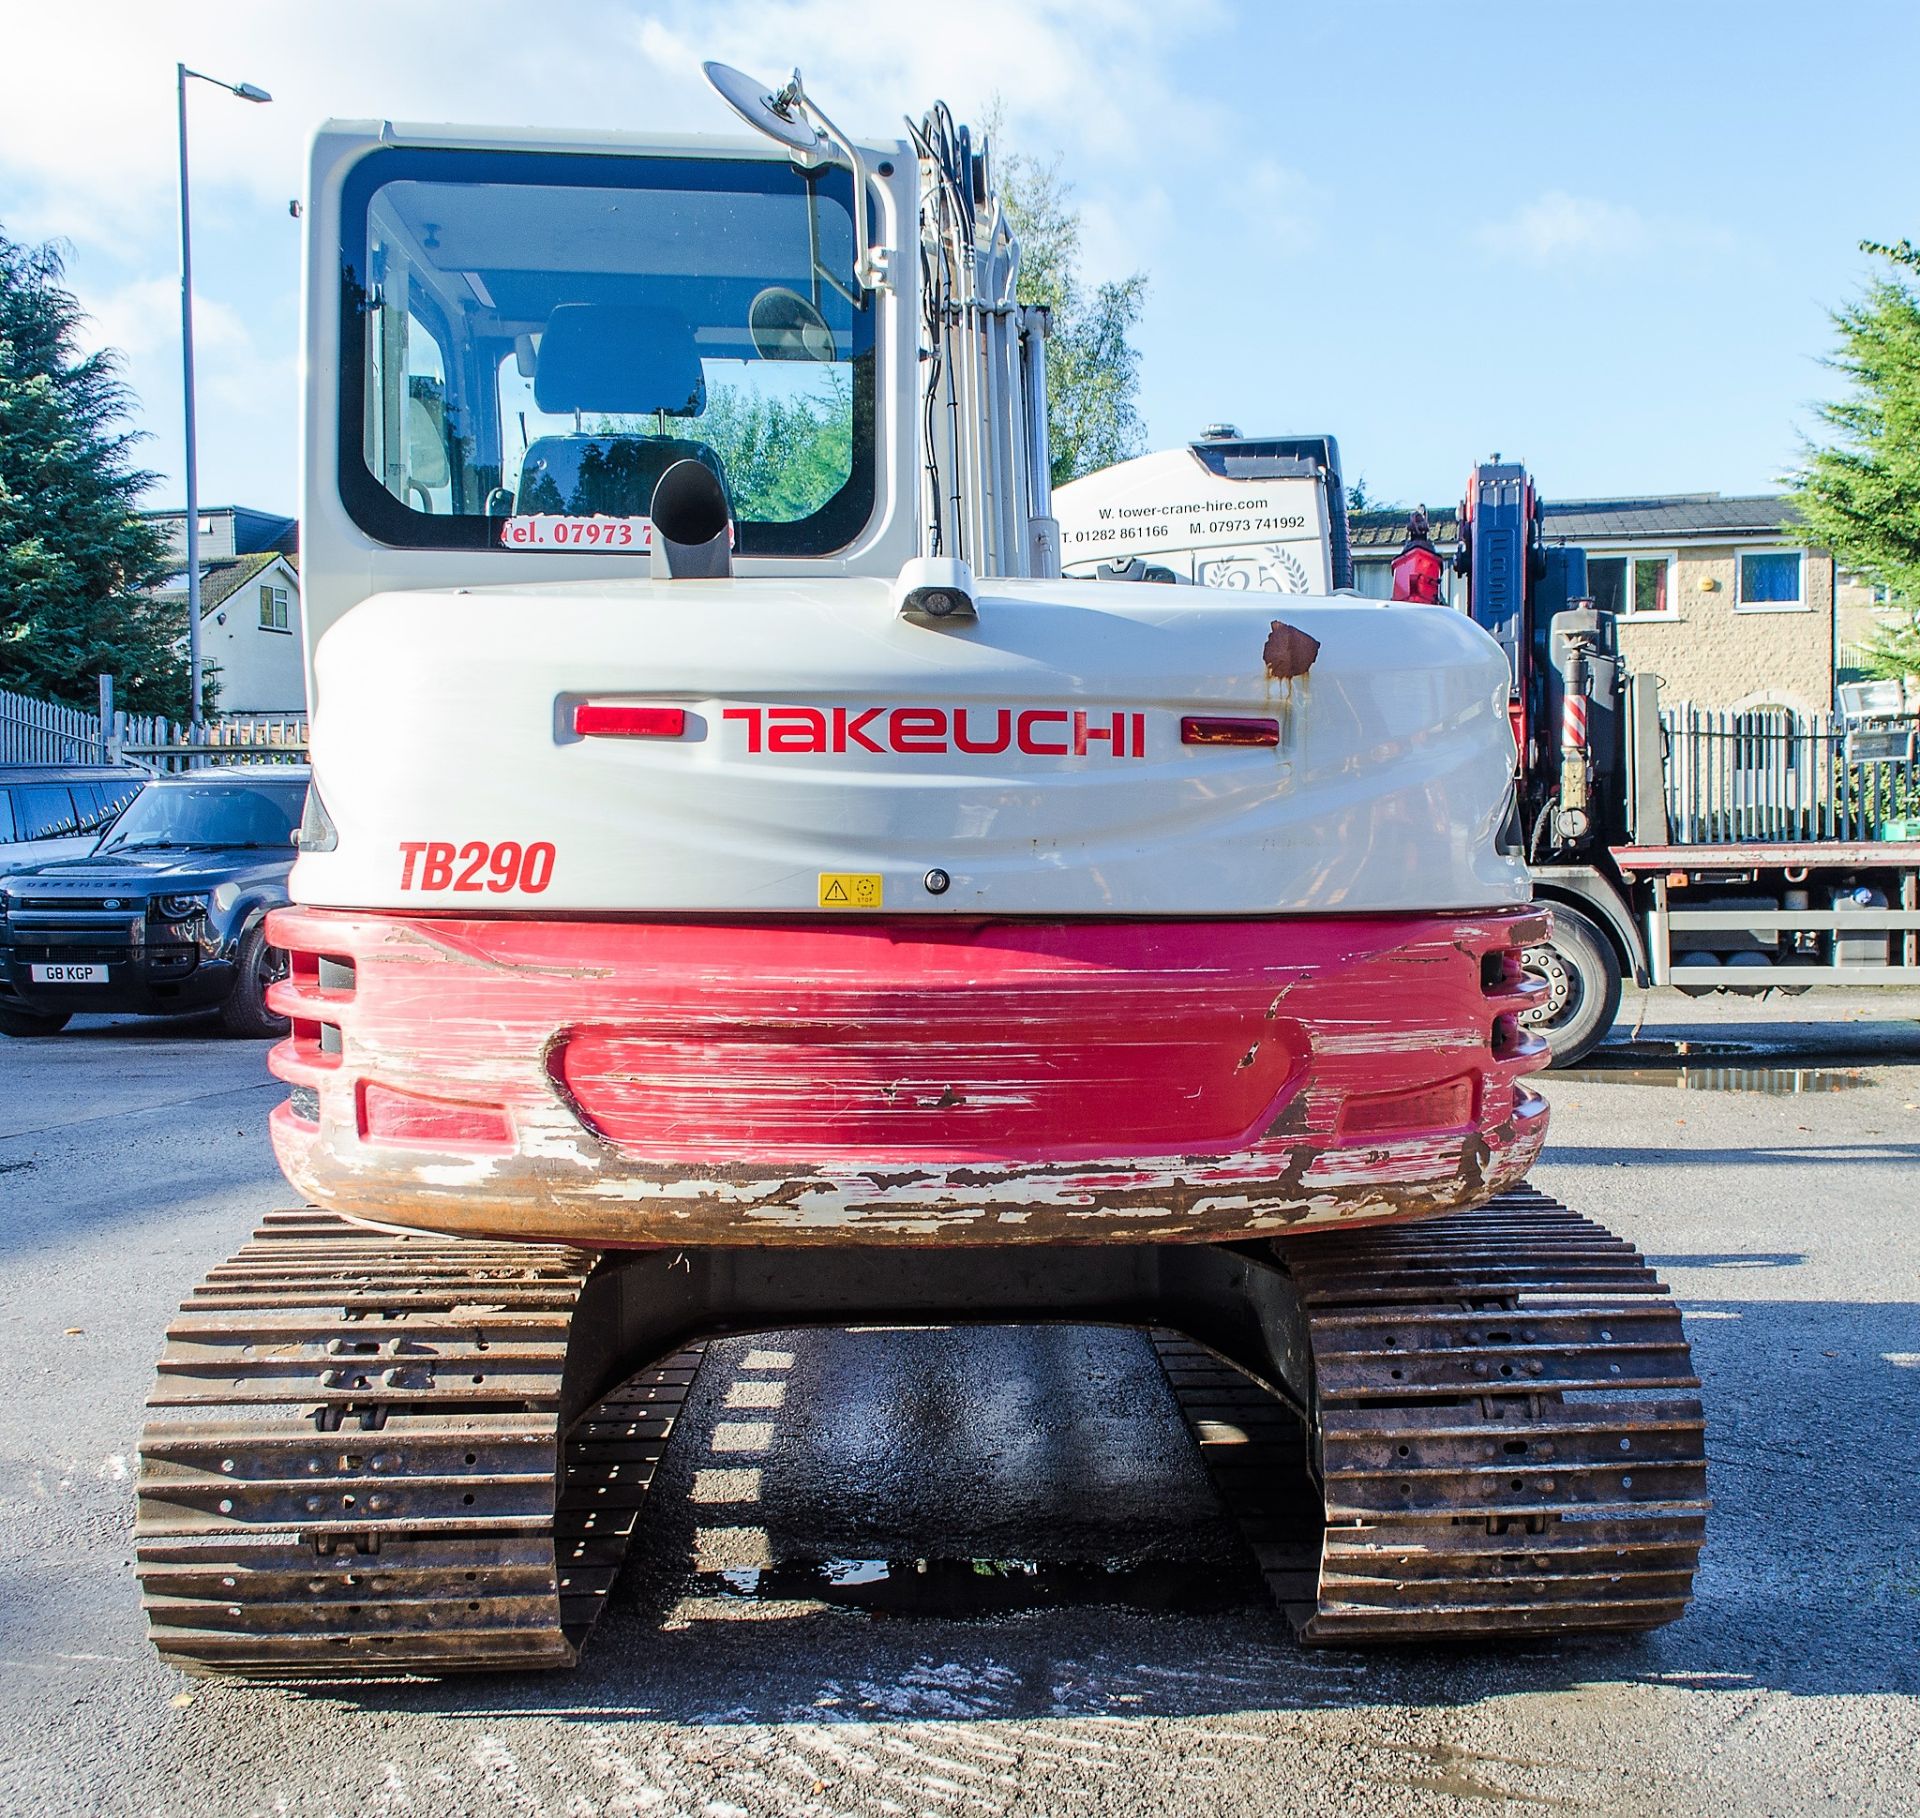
353	1463
1493	1434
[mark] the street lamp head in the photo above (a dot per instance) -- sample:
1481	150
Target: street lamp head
247	92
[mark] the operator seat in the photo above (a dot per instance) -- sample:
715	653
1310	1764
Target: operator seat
607	359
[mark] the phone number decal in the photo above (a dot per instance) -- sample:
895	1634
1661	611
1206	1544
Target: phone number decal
576	533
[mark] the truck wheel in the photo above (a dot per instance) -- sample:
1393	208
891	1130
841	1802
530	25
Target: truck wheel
16	1021
245	1012
1582	976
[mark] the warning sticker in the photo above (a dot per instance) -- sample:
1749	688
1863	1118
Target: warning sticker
850	890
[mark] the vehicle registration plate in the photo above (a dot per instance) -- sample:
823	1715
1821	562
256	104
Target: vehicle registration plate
68	975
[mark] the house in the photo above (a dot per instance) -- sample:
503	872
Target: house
1708	592
249	605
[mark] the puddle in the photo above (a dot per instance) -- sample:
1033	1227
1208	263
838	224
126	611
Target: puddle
1771	1082
1678	1064
962	1588
1657	1048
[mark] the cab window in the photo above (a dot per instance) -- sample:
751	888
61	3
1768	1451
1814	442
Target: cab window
531	339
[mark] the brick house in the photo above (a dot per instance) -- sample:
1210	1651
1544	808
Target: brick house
1708	593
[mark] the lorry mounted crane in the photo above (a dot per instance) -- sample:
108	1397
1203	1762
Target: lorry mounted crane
1746	859
742	886
1765	872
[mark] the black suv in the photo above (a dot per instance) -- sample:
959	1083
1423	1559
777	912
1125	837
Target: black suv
166	914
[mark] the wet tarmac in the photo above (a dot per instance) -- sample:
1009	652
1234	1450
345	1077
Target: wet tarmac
980	1573
960	1473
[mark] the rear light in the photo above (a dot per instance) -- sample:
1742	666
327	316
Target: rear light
1198	729
387	1116
594	719
1446	1106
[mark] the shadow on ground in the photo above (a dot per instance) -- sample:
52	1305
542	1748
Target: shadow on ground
1810	1584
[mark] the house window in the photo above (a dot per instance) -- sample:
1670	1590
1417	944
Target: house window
1632	586
1770	581
1373	579
273	609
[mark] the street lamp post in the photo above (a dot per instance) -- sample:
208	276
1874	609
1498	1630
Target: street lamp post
247	92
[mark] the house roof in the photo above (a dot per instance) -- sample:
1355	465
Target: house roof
253	530
1686	517
1388	529
221	580
1690	516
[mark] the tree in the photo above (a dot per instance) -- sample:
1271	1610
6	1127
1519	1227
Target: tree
1093	370
785	457
78	564
1859	495
1360	499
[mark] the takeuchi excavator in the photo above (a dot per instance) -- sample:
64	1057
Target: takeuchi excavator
742	886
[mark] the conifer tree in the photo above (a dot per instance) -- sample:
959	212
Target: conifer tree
1859	494
78	564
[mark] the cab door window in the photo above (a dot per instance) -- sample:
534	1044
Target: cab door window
415	441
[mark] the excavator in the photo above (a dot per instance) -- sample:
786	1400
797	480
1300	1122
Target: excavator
744	886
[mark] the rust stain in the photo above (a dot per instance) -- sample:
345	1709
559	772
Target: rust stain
1289	651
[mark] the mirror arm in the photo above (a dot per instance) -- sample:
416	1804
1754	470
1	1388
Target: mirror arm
870	262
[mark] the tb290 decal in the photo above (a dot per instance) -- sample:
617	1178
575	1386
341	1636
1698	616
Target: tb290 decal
476	866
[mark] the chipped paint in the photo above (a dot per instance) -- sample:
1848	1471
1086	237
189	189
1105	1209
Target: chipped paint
759	1083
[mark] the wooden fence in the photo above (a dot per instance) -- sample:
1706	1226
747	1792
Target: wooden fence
1772	775
40	732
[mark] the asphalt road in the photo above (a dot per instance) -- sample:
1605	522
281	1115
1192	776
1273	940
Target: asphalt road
1085	1635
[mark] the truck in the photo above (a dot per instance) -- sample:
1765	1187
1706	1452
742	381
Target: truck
743	885
1737	853
1715	853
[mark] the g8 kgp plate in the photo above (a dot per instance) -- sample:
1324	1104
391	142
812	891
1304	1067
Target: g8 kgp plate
68	975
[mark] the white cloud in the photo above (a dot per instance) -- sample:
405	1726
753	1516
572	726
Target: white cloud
1557	226
87	136
103	149
143	318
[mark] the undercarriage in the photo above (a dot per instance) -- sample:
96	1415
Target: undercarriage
373	1453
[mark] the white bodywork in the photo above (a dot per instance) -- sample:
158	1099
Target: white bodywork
823	762
448	717
1172	510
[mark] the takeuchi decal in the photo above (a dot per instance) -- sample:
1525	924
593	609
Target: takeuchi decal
930	731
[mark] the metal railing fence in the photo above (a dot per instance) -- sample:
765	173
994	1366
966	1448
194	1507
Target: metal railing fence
1768	774
44	732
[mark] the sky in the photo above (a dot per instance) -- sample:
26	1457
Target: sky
1600	236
